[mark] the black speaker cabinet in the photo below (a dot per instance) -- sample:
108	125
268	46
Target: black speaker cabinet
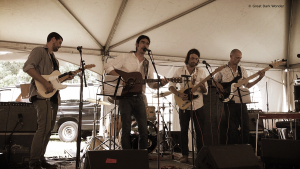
9	112
227	157
275	151
116	159
20	147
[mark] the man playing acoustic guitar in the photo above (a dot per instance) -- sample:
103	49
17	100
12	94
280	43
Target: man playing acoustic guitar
232	74
197	75
134	103
41	61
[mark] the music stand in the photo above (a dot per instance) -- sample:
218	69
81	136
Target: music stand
111	87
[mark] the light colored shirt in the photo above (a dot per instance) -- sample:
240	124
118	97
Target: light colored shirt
227	75
128	62
198	75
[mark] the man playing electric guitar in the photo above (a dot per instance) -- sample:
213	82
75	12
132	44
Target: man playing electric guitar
42	61
232	74
134	103
197	75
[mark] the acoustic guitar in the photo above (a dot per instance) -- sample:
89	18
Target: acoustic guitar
134	81
184	104
231	89
56	78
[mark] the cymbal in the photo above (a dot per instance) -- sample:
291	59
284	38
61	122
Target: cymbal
111	100
98	101
162	94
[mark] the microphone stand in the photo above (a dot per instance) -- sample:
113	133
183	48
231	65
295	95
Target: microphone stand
82	79
158	111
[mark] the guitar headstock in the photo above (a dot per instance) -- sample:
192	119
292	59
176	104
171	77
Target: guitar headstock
175	79
276	63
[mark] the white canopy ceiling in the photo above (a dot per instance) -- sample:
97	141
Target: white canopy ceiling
263	33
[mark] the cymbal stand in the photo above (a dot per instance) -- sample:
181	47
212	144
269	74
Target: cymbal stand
91	143
109	139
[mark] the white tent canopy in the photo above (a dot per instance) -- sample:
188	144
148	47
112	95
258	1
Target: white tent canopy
264	30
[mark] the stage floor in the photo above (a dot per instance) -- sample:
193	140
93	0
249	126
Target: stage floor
166	162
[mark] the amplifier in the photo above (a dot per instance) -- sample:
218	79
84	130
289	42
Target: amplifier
9	112
20	147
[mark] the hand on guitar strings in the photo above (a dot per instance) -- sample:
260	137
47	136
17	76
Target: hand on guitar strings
49	87
183	96
220	87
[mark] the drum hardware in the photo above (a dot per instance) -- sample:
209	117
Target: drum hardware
91	142
166	139
162	94
134	136
98	101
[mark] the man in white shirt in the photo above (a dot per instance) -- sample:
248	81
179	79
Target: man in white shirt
197	75
133	104
233	110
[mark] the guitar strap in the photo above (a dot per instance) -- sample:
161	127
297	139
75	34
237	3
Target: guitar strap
145	67
235	80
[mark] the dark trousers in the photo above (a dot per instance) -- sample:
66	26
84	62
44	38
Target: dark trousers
235	115
184	118
133	106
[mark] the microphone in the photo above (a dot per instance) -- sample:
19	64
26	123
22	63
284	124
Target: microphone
79	48
204	62
145	49
298	55
20	116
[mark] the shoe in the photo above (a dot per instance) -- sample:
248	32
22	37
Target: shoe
46	165
184	159
36	165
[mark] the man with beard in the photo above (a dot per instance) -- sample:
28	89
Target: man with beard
134	103
42	61
234	110
197	75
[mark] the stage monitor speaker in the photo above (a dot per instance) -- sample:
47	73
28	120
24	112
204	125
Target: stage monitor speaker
275	151
115	159
20	147
9	116
227	157
252	122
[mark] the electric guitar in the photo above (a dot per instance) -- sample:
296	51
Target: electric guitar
231	89
184	104
134	81
56	78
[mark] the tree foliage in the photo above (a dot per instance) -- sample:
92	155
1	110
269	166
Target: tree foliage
11	73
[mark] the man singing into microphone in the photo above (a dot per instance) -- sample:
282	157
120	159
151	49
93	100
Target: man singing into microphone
134	103
197	74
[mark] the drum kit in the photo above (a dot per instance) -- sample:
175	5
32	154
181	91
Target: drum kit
113	128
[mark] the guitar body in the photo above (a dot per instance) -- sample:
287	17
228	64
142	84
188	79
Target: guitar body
228	92
52	78
184	104
130	78
55	78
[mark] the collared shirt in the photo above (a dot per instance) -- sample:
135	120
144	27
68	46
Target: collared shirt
40	60
128	62
227	75
198	75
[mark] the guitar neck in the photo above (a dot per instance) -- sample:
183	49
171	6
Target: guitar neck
65	76
244	81
150	80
